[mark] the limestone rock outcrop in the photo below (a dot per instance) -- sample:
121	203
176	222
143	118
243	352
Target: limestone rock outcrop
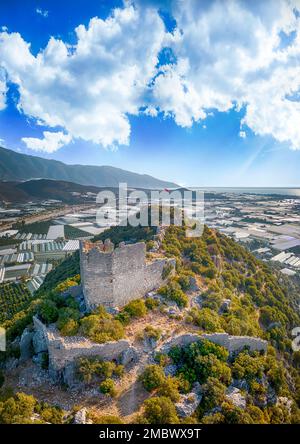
26	344
236	397
129	356
189	403
81	417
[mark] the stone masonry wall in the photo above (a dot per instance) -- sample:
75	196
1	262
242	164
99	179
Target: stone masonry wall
96	268
231	343
114	276
64	350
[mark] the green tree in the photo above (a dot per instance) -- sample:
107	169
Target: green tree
248	367
206	319
86	368
17	409
101	329
152	377
213	394
107	387
160	410
136	308
49	311
169	388
173	292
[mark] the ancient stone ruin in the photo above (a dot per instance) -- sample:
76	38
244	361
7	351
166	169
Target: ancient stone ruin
114	276
231	343
64	351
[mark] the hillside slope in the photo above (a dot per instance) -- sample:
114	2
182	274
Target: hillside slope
218	287
40	189
15	167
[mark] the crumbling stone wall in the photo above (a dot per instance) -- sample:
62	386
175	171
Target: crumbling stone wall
235	343
114	276
231	343
65	350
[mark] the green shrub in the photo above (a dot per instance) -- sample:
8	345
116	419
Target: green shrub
89	367
169	388
17	409
199	360
184	281
54	415
213	394
173	292
162	359
152	377
107	387
100	329
63	286
210	365
69	327
207	319
68	321
168	268
136	308
48	311
105	419
151	303
152	332
160	410
248	367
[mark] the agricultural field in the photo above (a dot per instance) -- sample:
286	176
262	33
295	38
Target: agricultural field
36	227
8	241
43	227
74	232
13	298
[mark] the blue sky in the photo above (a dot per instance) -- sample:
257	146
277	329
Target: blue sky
154	88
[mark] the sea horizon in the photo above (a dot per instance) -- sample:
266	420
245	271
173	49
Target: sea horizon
281	191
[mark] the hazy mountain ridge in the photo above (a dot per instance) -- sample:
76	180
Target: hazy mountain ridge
19	167
40	189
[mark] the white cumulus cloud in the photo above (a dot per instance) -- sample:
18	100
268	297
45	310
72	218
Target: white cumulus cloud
230	55
233	54
88	89
3	90
49	143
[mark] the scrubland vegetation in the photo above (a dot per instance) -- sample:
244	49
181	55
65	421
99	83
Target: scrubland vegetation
13	298
237	294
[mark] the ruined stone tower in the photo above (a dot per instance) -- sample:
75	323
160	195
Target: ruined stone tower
114	276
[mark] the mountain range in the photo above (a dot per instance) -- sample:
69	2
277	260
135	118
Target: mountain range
15	167
44	189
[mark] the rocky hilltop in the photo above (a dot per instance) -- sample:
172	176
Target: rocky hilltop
212	344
